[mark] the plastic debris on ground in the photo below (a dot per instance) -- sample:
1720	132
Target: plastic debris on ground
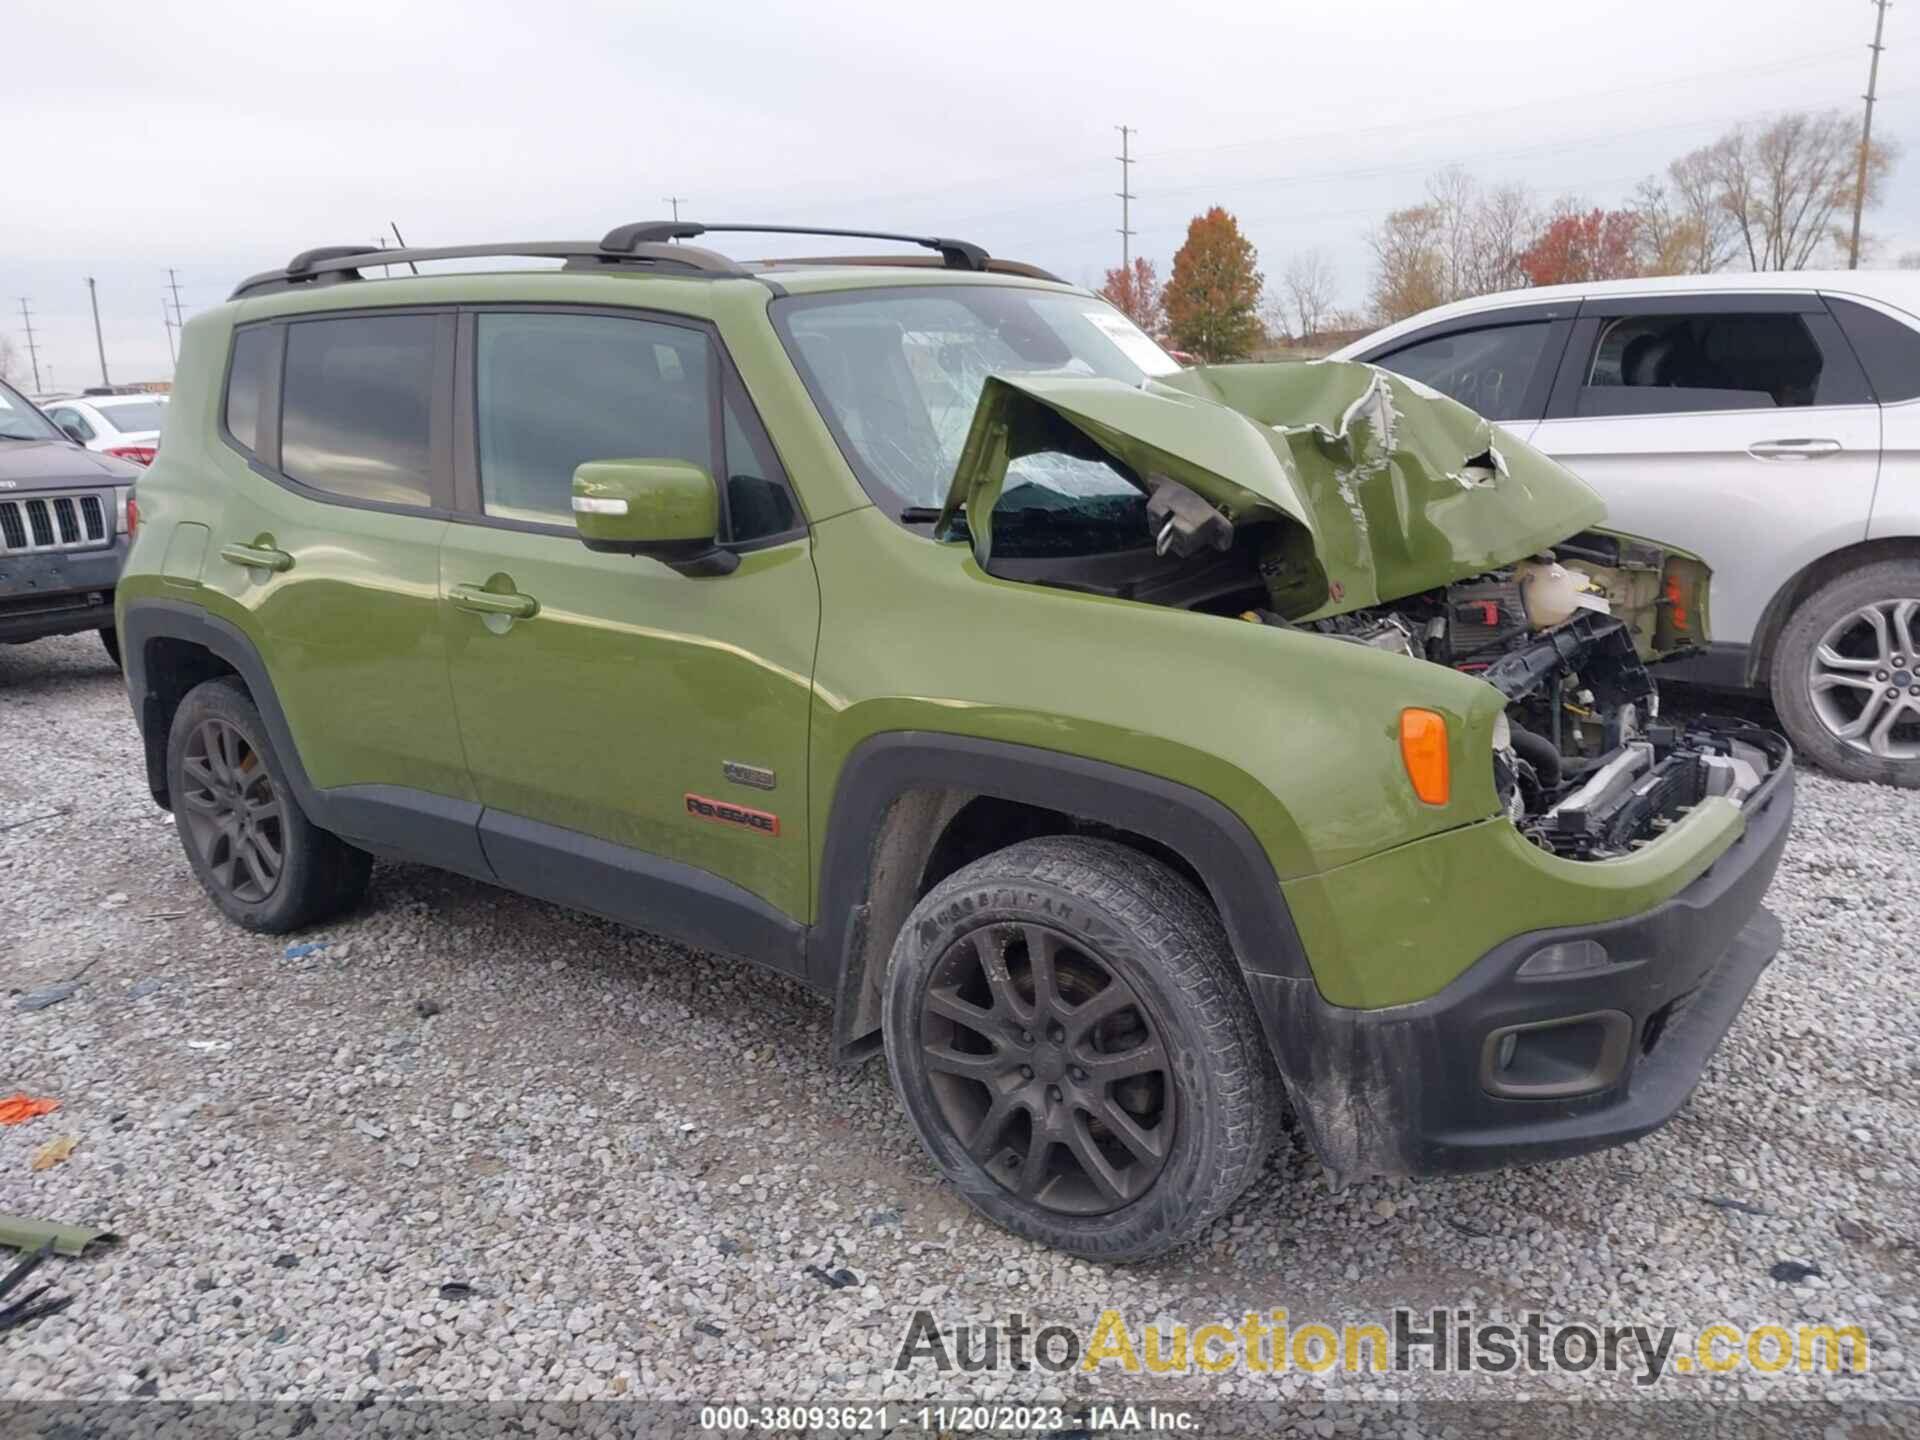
20	1107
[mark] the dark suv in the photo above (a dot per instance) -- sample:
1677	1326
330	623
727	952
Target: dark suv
63	529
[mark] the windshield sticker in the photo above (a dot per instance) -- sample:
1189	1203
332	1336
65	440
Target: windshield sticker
1132	342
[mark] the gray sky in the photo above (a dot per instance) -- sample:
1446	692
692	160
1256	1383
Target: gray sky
221	137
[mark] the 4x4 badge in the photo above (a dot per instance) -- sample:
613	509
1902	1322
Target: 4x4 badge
758	776
703	807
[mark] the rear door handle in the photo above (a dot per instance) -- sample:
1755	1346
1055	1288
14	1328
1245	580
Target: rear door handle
491	602
257	557
1796	449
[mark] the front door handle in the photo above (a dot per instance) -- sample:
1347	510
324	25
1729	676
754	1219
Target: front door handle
492	602
257	557
1796	449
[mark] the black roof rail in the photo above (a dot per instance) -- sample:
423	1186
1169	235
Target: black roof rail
344	262
994	265
958	254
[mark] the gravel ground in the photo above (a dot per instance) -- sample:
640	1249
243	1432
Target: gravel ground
644	1166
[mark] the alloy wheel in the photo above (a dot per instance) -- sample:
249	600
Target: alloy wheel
1864	679
232	812
1048	1068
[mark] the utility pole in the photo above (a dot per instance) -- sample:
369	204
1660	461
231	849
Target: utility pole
1866	132
1125	157
676	201
93	295
33	352
173	282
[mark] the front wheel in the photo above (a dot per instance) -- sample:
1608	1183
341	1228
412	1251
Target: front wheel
110	641
1069	1033
1846	675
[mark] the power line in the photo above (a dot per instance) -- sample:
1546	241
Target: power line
33	351
1430	121
1866	132
1398	129
1223	186
1125	157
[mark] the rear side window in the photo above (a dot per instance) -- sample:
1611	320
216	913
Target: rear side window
246	380
1485	370
1668	364
1889	351
356	417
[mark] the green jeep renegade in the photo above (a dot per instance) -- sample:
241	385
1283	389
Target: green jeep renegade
1128	751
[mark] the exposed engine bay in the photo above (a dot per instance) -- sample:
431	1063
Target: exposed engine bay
1343	501
1582	762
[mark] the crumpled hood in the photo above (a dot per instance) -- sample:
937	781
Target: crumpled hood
1390	488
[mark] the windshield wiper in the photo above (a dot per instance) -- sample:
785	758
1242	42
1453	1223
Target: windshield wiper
928	514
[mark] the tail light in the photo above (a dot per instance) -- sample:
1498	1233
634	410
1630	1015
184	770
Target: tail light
1423	748
138	454
130	512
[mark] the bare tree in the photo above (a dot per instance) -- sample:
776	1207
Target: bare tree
9	358
1684	229
1783	184
1910	260
1465	240
1503	224
1310	285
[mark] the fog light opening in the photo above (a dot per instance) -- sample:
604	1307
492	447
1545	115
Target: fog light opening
1565	957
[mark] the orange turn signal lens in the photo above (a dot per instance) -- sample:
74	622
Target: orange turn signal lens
1423	746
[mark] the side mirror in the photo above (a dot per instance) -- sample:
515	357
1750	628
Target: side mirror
72	432
667	510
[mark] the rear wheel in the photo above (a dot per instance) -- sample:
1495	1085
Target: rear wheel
1846	675
251	846
1068	1030
110	638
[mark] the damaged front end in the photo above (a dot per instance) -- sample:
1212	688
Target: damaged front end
1340	500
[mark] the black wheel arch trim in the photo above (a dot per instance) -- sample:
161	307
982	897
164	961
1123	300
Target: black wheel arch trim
1209	836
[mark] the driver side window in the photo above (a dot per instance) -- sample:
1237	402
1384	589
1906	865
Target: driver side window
553	391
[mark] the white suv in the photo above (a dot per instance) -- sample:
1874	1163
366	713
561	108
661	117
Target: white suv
1770	423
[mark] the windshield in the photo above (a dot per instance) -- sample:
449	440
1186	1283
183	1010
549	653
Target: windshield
20	421
898	373
134	414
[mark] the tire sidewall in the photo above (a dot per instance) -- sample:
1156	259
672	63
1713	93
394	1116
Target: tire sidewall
1792	696
1142	1225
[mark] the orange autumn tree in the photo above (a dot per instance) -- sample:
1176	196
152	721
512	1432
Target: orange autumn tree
1213	295
1576	246
1136	292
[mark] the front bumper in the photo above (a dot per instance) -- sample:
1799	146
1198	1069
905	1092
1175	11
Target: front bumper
58	593
1503	1068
